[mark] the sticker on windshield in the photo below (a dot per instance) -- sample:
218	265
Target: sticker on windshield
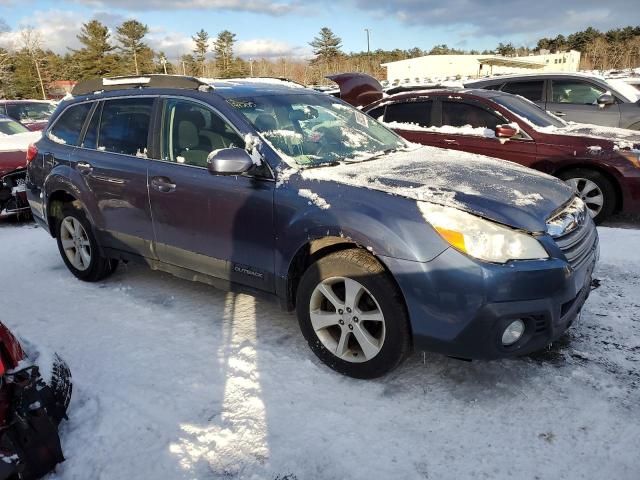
362	119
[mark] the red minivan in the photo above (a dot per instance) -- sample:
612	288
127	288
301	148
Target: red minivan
601	163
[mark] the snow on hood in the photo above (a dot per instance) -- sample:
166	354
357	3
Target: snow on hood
496	189
18	141
621	137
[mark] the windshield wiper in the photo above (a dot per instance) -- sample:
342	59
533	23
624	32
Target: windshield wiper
374	156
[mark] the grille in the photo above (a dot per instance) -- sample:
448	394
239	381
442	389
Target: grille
579	242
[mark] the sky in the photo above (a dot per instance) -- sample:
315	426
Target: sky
284	27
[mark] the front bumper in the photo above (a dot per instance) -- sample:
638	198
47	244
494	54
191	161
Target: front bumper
459	306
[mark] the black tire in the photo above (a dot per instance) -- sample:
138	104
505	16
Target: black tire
61	388
99	267
356	264
604	184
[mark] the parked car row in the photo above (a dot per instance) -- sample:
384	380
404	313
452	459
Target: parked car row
33	114
14	141
602	164
574	97
378	244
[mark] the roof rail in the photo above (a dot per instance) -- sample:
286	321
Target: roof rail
93	85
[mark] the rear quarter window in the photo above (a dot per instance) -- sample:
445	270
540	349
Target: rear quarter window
66	130
417	113
531	90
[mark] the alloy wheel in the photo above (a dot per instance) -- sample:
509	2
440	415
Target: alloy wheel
589	192
347	319
76	243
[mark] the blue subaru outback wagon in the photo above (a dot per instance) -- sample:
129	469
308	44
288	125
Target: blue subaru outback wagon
267	187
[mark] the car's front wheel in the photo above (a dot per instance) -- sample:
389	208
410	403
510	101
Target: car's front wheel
596	190
79	248
352	314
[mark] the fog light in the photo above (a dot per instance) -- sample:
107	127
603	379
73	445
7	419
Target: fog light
513	332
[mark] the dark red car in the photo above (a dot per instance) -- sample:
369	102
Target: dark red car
14	143
601	163
33	114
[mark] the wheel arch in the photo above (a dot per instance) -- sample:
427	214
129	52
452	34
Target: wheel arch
599	169
55	202
320	247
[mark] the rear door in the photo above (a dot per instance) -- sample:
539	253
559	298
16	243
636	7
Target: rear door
471	128
218	225
112	161
533	90
410	119
576	100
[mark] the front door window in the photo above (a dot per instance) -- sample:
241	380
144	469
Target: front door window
192	131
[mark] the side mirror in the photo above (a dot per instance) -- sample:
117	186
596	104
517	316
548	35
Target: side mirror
605	99
229	161
505	131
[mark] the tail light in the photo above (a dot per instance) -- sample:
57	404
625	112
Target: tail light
32	153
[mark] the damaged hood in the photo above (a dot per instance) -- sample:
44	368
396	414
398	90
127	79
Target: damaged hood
495	189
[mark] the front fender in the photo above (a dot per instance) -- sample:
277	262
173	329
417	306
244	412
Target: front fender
386	225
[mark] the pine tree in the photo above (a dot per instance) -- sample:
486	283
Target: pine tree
130	35
326	46
95	59
223	50
202	47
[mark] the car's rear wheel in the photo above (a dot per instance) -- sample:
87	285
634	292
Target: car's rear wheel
352	314
79	248
594	189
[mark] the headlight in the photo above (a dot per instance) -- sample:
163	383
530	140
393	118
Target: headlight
481	238
632	155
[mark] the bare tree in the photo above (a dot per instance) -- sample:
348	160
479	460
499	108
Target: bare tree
32	43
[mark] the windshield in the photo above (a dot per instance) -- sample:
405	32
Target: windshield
528	111
9	127
625	89
316	129
33	112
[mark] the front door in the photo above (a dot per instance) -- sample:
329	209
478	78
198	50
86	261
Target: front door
470	127
577	101
213	224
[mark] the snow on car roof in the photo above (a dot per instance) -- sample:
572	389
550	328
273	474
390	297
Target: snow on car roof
540	74
239	87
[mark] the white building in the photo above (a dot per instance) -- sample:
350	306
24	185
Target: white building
439	67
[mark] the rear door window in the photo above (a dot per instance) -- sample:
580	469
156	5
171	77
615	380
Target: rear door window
417	113
66	130
460	114
532	90
575	92
124	126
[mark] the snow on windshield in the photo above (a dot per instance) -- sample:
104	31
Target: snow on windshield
625	89
315	129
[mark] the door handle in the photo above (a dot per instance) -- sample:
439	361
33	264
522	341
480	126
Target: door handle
559	114
84	168
162	184
450	141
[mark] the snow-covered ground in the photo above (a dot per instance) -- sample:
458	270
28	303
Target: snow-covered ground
176	380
